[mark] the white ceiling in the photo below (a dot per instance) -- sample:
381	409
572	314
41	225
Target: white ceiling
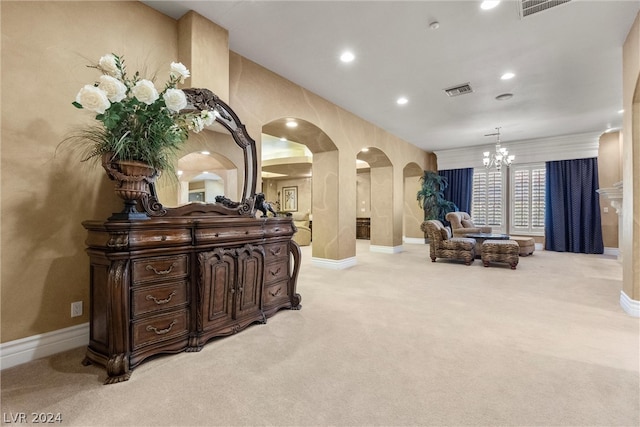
567	61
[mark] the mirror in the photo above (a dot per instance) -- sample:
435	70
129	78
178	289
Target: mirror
204	99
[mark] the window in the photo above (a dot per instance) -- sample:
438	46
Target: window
487	203
524	200
527	199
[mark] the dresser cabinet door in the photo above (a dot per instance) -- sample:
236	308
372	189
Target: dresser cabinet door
216	288
250	281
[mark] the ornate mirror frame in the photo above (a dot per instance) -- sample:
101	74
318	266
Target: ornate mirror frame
204	99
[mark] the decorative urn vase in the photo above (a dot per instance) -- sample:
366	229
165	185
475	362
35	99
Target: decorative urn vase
132	184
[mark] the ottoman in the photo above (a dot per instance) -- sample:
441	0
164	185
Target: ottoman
527	244
500	251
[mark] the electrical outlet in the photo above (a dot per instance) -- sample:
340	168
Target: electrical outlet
76	309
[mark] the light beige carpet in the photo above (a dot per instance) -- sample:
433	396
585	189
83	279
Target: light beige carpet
394	341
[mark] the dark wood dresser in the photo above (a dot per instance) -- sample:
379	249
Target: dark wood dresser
167	280
170	285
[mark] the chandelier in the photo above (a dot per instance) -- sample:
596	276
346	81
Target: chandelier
500	157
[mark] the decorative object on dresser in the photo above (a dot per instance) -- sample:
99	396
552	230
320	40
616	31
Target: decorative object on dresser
263	206
187	274
138	129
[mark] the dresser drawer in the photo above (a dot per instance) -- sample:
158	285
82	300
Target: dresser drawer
160	328
149	299
160	268
276	250
278	228
276	271
229	234
155	238
276	293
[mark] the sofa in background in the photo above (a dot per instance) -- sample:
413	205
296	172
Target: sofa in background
461	224
303	236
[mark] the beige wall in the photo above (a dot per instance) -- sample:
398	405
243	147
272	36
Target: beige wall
609	173
264	97
631	162
46	195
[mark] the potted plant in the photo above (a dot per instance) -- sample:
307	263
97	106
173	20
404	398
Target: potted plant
431	197
139	129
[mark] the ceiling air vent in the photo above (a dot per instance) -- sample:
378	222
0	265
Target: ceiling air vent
459	89
529	7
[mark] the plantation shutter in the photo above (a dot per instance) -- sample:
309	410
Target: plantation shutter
527	199
487	203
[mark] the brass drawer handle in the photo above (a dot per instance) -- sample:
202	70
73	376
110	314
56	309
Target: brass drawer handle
161	301
275	273
161	331
150	267
276	293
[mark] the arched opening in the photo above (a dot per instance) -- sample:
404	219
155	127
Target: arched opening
413	215
299	173
381	198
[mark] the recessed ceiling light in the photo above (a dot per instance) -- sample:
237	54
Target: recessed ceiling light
347	57
292	123
364	150
434	25
283	139
402	100
179	173
504	96
507	76
489	4
206	153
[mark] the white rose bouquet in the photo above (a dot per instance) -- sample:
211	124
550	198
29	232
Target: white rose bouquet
137	122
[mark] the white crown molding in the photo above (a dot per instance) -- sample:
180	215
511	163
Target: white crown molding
386	249
13	353
566	147
334	264
630	306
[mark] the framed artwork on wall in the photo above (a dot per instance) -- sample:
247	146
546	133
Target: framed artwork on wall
290	199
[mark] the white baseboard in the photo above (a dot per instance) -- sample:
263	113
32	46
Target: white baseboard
611	251
13	353
414	240
334	264
630	306
386	249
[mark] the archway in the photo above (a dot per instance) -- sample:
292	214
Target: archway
413	215
324	191
381	199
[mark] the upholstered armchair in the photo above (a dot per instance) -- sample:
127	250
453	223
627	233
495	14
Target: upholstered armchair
461	224
303	236
442	245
